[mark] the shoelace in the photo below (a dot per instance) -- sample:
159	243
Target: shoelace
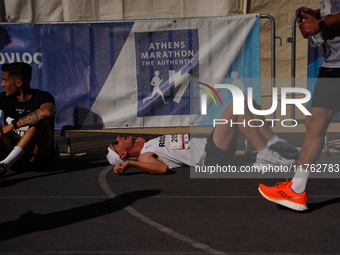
282	183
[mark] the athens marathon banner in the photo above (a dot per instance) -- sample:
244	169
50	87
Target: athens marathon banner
132	74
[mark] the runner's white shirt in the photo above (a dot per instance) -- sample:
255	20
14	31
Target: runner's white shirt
177	157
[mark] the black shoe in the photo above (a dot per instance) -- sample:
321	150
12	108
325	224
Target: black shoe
2	172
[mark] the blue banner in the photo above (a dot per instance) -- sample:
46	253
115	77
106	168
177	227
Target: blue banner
165	62
130	74
244	78
71	61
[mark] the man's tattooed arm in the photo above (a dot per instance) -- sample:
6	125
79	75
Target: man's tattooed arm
46	111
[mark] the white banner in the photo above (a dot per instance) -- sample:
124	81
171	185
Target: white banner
152	79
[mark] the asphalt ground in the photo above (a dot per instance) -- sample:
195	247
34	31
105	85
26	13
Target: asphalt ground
79	206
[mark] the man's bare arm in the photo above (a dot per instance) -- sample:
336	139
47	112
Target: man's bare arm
148	162
45	111
151	168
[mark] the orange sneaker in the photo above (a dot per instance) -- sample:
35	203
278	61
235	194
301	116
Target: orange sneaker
282	194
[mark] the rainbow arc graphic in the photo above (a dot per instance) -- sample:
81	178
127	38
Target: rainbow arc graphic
212	92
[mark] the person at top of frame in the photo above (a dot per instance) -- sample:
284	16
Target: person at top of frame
158	155
325	102
29	116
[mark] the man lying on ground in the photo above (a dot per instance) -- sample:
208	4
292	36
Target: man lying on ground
158	155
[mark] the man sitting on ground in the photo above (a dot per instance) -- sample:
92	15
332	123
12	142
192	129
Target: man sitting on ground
29	114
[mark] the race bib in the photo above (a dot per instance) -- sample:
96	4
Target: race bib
179	141
20	131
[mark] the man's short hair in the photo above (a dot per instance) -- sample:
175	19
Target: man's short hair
20	69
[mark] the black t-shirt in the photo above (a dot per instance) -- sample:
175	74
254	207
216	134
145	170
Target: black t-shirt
16	110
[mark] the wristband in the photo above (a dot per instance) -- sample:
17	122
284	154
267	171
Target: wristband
323	25
14	122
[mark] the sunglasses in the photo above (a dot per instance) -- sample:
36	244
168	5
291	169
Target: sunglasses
115	142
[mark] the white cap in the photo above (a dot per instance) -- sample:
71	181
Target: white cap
113	157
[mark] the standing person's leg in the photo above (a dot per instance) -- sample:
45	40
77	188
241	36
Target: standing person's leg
325	104
316	128
316	125
292	194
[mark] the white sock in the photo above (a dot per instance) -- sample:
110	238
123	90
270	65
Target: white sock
13	156
300	180
273	140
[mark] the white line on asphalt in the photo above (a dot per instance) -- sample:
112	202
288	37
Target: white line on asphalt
106	188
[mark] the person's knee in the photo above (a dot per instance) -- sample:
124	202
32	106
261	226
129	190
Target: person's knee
40	127
37	133
315	126
310	123
42	124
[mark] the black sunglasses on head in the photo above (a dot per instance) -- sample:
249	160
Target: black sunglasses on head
115	142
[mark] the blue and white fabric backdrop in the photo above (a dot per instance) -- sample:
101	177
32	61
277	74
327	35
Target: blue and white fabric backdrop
132	74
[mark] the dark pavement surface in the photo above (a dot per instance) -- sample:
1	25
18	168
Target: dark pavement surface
79	206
